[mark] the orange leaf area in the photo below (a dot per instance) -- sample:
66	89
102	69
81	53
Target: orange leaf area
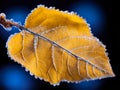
75	54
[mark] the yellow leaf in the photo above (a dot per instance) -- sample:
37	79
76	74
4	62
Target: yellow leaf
67	51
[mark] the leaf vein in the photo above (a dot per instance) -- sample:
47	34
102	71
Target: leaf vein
53	42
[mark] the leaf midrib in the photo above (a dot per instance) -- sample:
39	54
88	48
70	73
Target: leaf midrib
68	51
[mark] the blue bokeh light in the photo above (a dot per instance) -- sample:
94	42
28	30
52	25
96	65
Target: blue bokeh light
93	14
88	85
18	14
13	78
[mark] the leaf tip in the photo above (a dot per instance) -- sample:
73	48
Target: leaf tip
112	74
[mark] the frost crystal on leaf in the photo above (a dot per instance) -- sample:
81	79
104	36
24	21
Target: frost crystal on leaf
58	46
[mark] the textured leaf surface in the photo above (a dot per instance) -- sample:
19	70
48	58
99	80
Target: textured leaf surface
77	56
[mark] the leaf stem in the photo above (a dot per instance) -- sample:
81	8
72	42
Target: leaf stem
8	23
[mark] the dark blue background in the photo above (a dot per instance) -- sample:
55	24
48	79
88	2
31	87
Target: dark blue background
102	19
